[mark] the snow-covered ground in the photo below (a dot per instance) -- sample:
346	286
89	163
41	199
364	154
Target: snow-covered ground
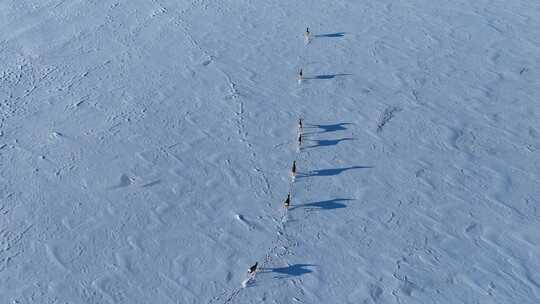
145	150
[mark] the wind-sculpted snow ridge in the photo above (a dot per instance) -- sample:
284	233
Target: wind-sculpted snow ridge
145	149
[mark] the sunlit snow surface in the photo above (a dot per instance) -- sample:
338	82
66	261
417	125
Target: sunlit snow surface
145	150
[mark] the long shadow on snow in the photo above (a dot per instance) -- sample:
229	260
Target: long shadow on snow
328	142
328	128
331	172
324	205
295	270
333	35
327	76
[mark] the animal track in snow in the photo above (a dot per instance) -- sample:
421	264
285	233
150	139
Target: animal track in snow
386	116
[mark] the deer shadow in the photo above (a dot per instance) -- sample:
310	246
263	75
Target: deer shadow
324	205
327	76
331	172
328	142
332	35
329	128
295	270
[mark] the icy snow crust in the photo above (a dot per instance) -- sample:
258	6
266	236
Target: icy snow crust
145	150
